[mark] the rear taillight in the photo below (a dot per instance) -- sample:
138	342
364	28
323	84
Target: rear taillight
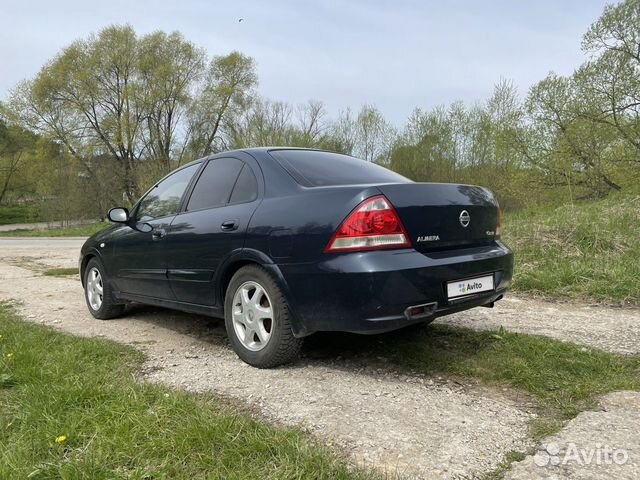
499	225
371	225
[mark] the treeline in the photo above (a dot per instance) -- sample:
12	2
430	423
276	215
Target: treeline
111	113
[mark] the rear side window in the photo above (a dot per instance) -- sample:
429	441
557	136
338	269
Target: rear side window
215	184
246	189
312	168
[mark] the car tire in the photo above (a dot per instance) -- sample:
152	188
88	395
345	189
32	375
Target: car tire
98	293
258	340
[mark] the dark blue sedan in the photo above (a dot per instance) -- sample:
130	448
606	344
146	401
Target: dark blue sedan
285	242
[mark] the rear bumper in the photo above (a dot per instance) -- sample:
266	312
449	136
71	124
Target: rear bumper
369	292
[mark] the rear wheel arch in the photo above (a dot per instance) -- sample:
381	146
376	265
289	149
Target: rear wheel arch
228	274
255	257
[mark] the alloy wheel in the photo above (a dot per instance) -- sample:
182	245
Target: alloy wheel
95	288
252	315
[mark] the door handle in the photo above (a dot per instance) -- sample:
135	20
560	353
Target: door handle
158	233
229	225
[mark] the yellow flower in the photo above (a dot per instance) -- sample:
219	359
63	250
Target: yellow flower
61	439
10	354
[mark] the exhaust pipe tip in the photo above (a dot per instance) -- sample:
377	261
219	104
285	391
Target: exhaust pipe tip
493	302
416	312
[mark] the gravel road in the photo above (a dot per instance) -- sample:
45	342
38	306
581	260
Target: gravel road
43	225
417	426
603	444
612	329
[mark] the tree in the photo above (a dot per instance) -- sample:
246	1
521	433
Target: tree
374	136
118	98
227	92
269	123
15	144
569	148
367	135
426	149
610	81
343	131
169	68
264	123
311	116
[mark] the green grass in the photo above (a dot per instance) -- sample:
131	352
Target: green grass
19	214
54	385
74	231
587	250
60	272
563	377
505	465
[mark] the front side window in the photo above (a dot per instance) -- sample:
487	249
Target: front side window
164	199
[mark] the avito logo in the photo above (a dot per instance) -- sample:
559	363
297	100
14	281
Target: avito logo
469	287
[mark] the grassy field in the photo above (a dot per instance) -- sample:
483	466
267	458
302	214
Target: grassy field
72	408
74	231
591	249
20	214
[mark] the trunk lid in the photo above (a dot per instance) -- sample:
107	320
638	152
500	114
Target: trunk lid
434	214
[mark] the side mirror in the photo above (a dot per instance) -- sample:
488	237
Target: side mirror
118	215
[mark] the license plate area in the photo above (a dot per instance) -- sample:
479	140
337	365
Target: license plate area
470	286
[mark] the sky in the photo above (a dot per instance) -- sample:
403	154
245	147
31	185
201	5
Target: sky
396	55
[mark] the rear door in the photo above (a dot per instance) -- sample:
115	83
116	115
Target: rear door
212	226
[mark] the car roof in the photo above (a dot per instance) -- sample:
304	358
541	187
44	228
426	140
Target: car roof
259	150
264	150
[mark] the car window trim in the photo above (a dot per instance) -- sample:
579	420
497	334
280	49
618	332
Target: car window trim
246	165
256	169
293	172
183	207
229	203
235	183
136	206
215	208
187	193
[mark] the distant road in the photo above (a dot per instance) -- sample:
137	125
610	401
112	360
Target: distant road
47	243
42	225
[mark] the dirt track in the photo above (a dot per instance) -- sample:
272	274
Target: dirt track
414	425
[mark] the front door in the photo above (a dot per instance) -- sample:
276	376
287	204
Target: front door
140	250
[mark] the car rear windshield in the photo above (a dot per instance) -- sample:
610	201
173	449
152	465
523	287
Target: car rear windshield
312	168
